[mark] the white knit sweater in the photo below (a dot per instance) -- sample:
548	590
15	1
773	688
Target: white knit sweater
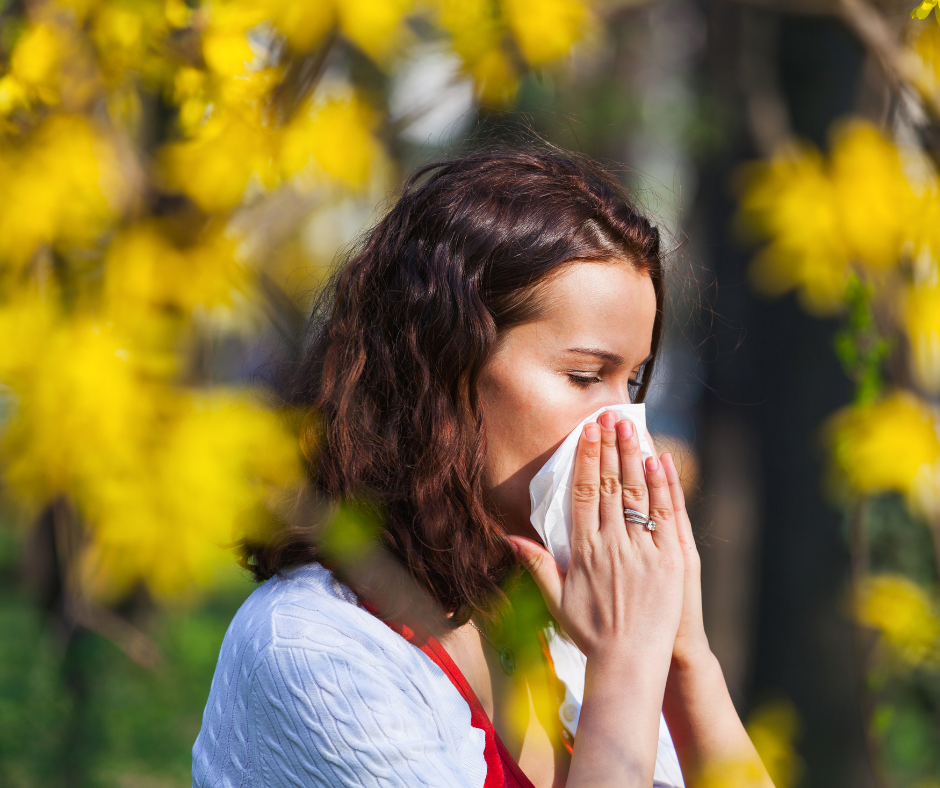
312	690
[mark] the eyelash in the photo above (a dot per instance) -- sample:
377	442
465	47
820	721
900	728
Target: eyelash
583	382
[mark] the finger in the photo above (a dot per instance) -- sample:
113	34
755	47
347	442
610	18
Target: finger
548	576
690	553
634	493
611	505
660	502
683	524
585	485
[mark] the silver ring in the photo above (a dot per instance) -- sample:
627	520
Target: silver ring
633	516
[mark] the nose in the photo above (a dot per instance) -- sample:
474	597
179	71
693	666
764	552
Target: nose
622	392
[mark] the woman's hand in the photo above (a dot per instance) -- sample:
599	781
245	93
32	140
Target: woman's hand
691	642
624	587
620	601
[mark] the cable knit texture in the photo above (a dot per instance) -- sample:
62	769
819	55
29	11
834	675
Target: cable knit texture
312	690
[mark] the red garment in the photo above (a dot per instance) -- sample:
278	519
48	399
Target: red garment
502	771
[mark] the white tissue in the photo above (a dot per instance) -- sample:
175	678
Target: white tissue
550	490
550	493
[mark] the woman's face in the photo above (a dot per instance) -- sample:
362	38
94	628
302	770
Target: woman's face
547	375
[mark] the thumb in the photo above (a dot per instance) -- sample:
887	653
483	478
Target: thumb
548	576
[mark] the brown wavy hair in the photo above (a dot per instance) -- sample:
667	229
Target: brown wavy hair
394	349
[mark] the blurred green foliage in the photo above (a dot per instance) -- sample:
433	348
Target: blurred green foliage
77	711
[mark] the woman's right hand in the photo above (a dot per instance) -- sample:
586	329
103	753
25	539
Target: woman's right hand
620	601
623	589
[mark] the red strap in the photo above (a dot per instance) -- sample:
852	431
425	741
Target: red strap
502	771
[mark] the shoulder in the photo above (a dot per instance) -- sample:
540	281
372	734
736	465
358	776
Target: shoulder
307	678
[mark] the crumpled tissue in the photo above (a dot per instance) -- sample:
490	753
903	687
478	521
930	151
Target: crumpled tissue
550	494
550	490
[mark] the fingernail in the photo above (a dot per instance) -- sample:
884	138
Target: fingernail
625	429
591	431
607	419
652	464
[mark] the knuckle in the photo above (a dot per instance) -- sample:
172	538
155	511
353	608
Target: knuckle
583	492
656	480
630	448
591	451
661	513
634	492
610	485
608	438
534	563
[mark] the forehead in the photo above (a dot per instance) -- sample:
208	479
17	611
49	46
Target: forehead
594	304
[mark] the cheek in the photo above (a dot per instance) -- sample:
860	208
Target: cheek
529	412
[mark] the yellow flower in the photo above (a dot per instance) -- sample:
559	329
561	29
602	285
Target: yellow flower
373	27
83	412
62	185
227	51
210	480
147	270
225	46
821	217
127	38
886	445
545	29
177	13
337	137
791	200
902	612
495	77
303	25
13	95
874	198
925	56
921	317
772	727
924	230
215	166
26	323
923	10
35	62
477	34
164	479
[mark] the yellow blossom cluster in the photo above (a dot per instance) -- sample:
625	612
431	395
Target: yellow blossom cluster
824	216
903	613
163	476
923	58
135	137
61	186
923	10
222	156
885	446
542	30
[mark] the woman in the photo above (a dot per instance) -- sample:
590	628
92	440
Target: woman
505	297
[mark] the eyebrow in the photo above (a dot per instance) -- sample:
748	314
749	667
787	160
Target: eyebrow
606	355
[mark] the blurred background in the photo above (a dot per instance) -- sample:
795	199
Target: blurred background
178	176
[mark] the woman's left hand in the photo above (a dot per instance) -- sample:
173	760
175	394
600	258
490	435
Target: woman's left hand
691	642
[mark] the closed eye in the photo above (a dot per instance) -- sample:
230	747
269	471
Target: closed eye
583	381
